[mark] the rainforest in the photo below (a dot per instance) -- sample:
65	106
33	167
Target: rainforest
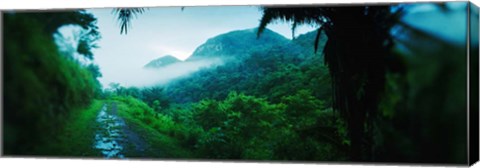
354	84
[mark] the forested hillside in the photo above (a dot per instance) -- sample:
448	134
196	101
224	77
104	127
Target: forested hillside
273	69
239	44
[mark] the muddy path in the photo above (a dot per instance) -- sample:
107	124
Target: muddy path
113	137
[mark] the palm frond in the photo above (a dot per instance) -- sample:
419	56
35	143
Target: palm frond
296	15
294	27
317	38
125	16
266	19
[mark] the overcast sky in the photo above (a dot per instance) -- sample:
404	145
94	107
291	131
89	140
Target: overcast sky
168	30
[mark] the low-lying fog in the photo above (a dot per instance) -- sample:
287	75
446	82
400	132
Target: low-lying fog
145	77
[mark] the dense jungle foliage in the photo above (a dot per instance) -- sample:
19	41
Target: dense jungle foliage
42	86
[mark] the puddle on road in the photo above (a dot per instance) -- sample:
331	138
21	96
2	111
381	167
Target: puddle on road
109	136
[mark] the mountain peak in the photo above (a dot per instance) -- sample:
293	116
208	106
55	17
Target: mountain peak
238	43
162	61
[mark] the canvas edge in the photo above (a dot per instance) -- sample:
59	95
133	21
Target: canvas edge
473	83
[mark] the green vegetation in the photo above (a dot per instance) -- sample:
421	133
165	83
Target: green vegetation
75	138
239	127
383	83
42	85
352	96
160	132
274	72
279	107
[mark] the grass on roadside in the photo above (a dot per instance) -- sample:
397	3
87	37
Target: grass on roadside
156	129
77	136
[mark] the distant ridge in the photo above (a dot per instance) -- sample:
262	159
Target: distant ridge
242	43
161	62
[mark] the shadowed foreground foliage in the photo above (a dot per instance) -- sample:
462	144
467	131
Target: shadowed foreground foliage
368	79
41	85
